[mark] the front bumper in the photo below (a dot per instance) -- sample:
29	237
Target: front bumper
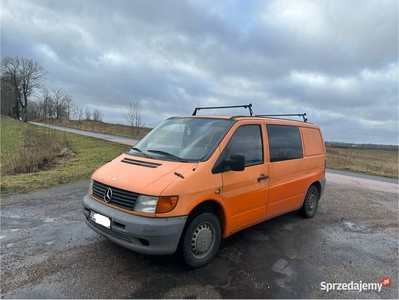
156	236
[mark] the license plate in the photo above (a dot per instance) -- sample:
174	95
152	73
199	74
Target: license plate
100	219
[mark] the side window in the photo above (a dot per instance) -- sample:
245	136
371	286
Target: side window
284	142
247	140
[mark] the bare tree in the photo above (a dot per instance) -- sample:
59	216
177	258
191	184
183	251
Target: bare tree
32	78
133	116
88	114
24	76
7	99
98	115
10	75
34	110
69	107
46	105
58	100
79	113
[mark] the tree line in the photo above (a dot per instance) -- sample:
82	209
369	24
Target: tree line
24	95
56	104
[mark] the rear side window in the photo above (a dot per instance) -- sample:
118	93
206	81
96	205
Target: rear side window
284	142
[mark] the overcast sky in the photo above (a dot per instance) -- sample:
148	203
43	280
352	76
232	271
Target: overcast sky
336	60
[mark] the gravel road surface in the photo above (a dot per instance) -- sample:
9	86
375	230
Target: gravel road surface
47	251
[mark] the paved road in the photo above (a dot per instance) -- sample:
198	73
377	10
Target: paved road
108	137
364	176
47	251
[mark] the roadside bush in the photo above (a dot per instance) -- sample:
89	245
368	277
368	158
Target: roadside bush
43	149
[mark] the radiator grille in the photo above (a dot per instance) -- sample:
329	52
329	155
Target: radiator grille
121	198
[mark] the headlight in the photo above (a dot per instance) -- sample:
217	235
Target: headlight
146	204
151	204
91	187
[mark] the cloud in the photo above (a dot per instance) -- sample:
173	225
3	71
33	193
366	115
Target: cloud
336	60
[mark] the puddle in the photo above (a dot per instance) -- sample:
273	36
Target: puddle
15	217
354	227
49	220
289	226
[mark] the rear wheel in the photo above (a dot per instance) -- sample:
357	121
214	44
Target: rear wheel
309	206
201	240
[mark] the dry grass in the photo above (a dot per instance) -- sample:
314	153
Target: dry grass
42	149
367	161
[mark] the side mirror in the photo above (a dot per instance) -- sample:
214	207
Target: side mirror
236	162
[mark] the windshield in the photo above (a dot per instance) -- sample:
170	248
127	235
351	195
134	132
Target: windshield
183	139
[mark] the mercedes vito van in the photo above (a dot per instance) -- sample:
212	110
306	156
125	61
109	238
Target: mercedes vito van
196	179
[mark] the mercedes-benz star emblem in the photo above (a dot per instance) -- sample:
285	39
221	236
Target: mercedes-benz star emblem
108	195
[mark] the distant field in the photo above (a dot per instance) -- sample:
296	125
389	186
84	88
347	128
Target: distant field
367	161
90	154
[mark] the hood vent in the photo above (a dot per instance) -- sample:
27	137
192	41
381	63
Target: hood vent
140	163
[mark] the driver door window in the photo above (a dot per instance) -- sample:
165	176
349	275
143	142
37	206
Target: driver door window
247	140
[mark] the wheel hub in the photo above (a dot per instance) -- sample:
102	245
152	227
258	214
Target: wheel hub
311	202
201	240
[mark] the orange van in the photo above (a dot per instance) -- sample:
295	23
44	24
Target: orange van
193	180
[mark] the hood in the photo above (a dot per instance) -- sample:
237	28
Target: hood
141	175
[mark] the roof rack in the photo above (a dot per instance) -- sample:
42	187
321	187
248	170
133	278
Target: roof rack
286	115
249	106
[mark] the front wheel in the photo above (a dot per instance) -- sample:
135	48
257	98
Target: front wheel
201	240
309	206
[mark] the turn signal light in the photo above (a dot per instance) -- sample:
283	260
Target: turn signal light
166	204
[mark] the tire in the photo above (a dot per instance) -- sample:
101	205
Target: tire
310	204
201	240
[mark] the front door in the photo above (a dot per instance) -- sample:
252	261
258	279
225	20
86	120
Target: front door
245	192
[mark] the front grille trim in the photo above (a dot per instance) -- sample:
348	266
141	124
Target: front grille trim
120	198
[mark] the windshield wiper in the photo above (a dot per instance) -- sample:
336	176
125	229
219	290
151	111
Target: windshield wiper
140	151
167	154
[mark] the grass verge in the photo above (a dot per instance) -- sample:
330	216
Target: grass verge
90	154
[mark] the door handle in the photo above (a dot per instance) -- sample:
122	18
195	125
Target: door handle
262	177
